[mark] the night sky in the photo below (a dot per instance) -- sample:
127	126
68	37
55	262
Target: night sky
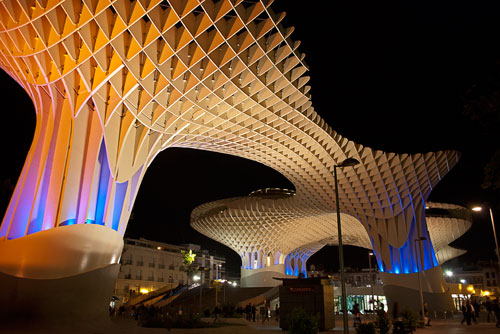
388	75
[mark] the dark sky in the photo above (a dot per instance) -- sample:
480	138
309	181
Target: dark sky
389	75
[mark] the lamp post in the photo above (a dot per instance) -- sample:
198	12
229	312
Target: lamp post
372	280
419	262
349	162
198	278
479	209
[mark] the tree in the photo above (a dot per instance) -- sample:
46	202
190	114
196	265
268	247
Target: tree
187	263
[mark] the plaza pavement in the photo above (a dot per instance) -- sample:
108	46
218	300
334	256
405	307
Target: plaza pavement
241	326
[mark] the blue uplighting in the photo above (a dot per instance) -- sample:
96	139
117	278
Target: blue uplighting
68	222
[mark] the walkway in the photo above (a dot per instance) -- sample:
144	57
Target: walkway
241	326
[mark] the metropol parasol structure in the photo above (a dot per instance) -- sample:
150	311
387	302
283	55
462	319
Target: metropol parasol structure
115	82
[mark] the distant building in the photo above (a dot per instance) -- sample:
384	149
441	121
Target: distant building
480	278
362	287
150	265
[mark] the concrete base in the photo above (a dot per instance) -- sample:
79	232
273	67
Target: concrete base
79	301
404	289
263	277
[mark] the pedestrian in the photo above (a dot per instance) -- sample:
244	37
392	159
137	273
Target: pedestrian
469	312
473	312
381	310
495	306
267	310
254	310
357	315
464	312
216	313
477	309
277	313
248	311
427	319
489	309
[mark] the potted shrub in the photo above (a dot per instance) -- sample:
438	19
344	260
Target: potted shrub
366	328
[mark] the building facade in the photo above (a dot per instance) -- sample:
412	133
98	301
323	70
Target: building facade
148	265
482	276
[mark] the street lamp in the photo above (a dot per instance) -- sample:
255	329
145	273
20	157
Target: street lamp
479	209
197	278
419	268
349	162
372	281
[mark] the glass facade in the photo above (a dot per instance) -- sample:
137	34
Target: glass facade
364	303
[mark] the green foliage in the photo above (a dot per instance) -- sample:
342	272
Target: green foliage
366	328
187	262
302	323
409	319
187	258
383	323
399	328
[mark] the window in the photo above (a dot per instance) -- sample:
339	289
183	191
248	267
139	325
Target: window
487	275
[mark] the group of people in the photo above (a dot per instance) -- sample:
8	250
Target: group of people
250	311
471	310
265	312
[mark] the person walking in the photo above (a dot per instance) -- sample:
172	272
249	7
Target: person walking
477	309
248	311
489	309
495	306
267	310
469	312
427	319
464	312
357	315
216	313
254	311
473	313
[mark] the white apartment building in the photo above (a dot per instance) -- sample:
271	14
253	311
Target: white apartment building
150	265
